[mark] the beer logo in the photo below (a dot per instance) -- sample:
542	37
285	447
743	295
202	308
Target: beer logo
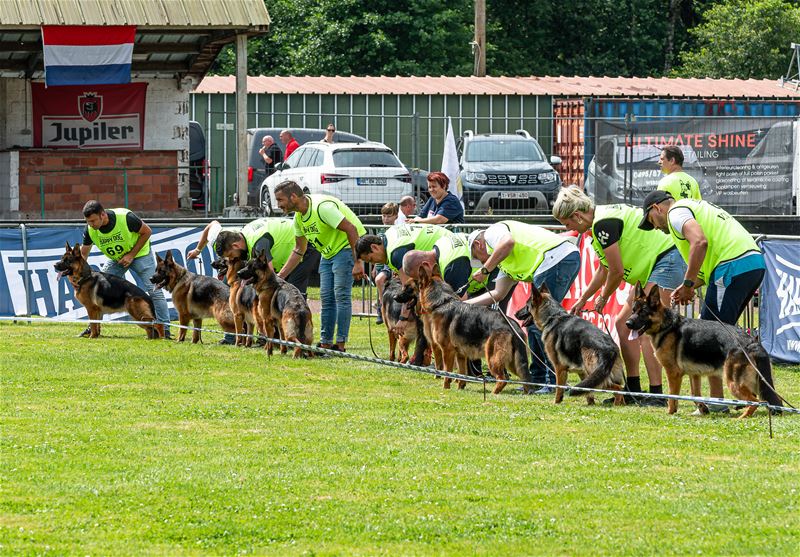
90	106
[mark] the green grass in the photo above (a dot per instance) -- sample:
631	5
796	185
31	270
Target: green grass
125	447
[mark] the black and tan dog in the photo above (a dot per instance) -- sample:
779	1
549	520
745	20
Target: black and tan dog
243	300
392	317
102	293
194	296
281	305
697	347
461	332
572	343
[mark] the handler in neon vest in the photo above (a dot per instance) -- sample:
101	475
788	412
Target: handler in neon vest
719	253
627	254
274	237
333	229
390	247
125	239
677	183
524	252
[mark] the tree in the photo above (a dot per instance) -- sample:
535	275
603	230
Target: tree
747	39
354	37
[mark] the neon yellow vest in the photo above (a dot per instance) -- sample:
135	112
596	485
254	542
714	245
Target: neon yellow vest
530	244
326	238
727	239
421	236
638	248
282	232
225	229
120	240
450	248
680	186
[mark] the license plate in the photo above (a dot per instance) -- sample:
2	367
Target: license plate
513	195
371	181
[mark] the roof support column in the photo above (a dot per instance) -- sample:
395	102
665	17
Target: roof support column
241	118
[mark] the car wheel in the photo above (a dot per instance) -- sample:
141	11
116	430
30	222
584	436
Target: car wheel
266	206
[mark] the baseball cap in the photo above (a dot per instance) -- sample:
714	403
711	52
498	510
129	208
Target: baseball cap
471	240
654	197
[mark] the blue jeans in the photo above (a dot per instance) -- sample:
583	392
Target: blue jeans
143	268
558	279
336	295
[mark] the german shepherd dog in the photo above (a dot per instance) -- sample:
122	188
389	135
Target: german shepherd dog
281	304
698	347
461	332
392	310
194	296
573	343
102	293
243	300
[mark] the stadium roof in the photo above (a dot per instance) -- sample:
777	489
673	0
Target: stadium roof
562	86
173	37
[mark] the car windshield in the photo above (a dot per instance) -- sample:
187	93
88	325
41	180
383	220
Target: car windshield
502	151
354	158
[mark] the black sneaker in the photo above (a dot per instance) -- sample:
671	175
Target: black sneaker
228	341
652	401
86	332
379	319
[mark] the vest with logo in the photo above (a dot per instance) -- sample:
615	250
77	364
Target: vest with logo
680	186
328	239
421	236
530	244
120	240
283	239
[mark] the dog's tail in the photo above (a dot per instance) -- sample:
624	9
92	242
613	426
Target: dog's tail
521	367
603	370
766	385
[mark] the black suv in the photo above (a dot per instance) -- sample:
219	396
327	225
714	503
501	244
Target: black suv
507	173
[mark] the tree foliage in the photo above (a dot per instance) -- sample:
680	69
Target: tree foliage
719	38
743	39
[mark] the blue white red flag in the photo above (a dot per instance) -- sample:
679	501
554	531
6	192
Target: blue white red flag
87	54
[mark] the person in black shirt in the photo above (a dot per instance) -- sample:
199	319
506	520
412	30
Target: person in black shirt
271	154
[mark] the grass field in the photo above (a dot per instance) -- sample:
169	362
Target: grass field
121	446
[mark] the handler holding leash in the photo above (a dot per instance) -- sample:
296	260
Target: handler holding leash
331	227
274	237
719	252
627	254
125	239
524	252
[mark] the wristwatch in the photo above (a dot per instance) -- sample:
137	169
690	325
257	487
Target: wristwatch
483	271
688	283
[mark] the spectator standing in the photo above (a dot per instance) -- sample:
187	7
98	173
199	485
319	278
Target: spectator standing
329	131
290	142
442	207
331	227
271	154
678	183
125	239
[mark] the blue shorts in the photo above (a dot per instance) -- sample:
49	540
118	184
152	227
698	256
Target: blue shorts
669	271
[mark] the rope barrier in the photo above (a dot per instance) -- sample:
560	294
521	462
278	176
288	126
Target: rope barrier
418	369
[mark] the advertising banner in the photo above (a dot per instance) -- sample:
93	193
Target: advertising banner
56	298
743	165
589	265
779	312
89	116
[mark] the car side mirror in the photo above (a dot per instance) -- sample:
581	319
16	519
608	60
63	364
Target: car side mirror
282	166
555	161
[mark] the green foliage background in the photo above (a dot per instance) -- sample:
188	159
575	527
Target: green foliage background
714	38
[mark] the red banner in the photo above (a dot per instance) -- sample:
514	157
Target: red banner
589	265
89	117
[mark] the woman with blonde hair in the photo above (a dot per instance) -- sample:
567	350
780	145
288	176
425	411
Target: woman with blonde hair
628	254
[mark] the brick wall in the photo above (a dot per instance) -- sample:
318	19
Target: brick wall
84	175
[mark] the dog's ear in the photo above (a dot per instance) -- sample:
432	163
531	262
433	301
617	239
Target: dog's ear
536	296
69	247
423	275
158	258
654	298
639	293
168	257
544	289
76	249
